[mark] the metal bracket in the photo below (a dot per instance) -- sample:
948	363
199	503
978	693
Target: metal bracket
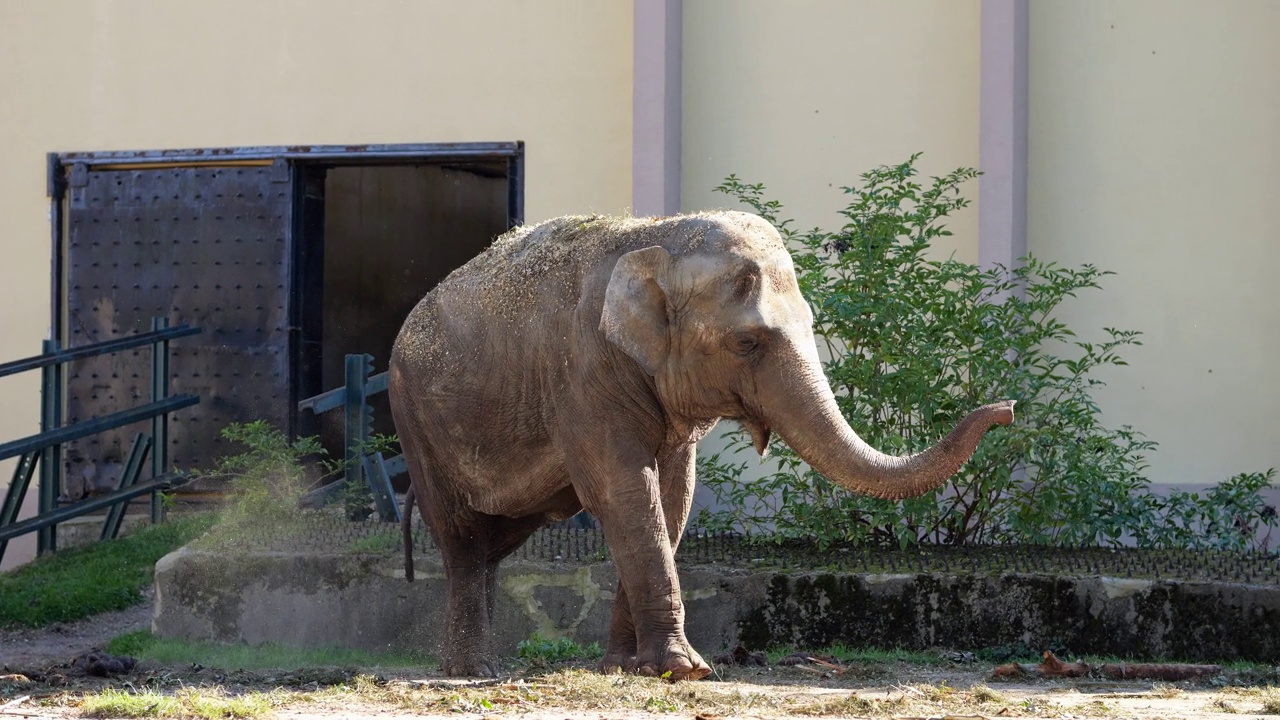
279	170
79	175
384	497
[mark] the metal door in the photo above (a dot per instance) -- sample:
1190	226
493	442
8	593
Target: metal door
203	245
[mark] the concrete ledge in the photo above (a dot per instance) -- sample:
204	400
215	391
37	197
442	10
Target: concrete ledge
315	600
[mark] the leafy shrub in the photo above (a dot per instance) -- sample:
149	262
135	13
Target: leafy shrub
267	478
915	343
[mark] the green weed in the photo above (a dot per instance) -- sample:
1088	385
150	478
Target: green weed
540	651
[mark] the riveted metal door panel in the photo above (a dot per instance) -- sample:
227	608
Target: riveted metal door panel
206	246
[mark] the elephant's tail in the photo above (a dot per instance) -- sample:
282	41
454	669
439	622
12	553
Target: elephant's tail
406	529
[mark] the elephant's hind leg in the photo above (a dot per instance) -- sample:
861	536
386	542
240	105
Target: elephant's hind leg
506	536
472	547
467	650
463	537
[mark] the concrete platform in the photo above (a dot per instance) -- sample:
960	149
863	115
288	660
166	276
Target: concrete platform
363	601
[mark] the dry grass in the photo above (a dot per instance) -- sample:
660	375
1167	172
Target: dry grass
917	699
567	690
1161	690
1271	701
767	694
1223	705
203	703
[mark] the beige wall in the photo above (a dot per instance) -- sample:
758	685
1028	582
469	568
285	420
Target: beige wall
1154	153
806	95
152	74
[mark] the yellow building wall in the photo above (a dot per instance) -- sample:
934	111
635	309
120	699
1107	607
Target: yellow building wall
1154	153
156	74
806	95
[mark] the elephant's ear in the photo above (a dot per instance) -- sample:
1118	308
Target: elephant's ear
635	306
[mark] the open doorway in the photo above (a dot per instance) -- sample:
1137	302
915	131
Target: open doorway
389	234
288	259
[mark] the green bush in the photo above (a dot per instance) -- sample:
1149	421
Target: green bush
915	343
267	478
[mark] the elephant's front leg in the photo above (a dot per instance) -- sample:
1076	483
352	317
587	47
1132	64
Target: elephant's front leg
620	486
675	485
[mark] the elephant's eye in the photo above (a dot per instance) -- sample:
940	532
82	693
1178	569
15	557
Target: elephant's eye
745	344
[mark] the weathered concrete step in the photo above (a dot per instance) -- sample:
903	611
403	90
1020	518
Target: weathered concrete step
318	600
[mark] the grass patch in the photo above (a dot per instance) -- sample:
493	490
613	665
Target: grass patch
383	543
80	582
144	645
207	703
542	652
864	656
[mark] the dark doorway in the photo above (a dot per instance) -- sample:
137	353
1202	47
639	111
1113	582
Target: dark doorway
390	234
288	258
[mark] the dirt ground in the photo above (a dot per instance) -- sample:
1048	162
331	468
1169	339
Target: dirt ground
36	680
61	642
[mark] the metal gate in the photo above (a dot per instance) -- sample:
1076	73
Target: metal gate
229	239
205	246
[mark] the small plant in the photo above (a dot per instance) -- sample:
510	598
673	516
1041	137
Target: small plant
914	343
268	477
540	651
356	497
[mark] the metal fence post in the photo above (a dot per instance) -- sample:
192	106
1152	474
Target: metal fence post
50	457
159	423
357	423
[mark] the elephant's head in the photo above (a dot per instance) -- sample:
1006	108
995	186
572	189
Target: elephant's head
725	333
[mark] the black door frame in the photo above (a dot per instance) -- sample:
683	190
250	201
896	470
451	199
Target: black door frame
70	169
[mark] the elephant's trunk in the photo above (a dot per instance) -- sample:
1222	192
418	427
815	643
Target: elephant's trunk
796	401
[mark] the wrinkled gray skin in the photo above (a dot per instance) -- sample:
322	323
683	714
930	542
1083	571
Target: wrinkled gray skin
576	365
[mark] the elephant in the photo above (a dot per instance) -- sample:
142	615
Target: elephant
575	364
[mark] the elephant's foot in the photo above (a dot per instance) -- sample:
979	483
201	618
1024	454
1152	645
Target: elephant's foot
620	653
618	662
469	665
672	660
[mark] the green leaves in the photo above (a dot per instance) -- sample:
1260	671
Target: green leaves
915	344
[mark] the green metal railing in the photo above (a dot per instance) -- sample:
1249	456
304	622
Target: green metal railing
359	465
43	450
